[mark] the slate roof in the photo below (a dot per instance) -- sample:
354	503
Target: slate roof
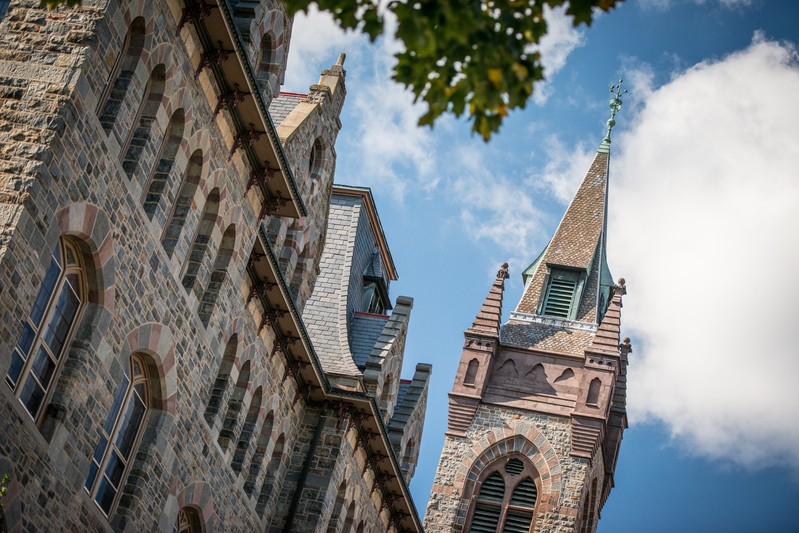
576	241
545	337
364	332
283	105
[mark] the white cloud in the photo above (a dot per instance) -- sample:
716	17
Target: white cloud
555	47
483	197
564	169
316	40
704	204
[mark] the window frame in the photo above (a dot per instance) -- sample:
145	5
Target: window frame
39	330
138	386
579	277
499	466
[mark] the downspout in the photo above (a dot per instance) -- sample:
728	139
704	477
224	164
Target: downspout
306	466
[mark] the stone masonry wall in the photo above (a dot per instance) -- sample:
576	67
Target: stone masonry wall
498	430
61	176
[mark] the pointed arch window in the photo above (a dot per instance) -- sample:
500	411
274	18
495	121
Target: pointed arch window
471	372
46	332
119	437
506	498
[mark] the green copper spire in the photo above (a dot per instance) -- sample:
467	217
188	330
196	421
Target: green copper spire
615	105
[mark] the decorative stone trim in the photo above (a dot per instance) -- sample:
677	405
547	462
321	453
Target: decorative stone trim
550	321
155	340
199	496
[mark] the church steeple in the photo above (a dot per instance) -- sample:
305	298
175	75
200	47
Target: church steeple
570	278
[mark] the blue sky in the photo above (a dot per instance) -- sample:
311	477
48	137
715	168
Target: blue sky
703	203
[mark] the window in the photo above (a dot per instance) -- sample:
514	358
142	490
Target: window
561	291
121	75
506	498
4	5
372	299
188	521
139	134
118	437
471	372
39	351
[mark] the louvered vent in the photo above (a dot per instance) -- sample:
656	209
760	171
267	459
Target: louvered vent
517	521
493	488
514	467
560	293
524	494
485	519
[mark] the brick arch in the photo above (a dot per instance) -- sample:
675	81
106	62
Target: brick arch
523	439
92	227
199	496
155	340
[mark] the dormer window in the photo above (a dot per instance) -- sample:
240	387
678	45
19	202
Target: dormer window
561	299
373	300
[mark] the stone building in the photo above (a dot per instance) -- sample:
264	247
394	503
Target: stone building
537	410
195	325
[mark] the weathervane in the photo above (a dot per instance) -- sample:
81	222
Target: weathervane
615	105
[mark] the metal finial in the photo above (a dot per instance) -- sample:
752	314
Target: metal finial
615	105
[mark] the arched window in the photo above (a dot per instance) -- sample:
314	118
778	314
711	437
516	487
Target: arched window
188	521
272	476
47	330
219	387
164	162
260	453
506	497
119	436
200	246
593	392
218	274
140	130
231	421
588	514
266	55
121	75
247	429
335	516
349	519
471	372
182	207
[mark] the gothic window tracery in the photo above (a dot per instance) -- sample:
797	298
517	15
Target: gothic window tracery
46	332
188	521
119	437
506	495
